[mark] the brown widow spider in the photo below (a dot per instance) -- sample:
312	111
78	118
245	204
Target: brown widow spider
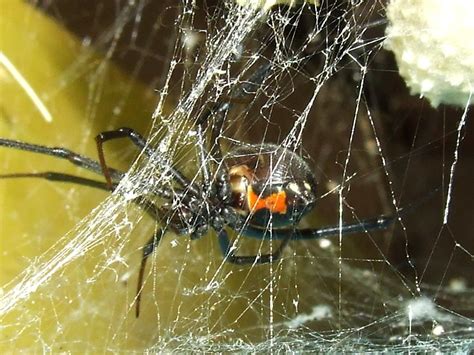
260	191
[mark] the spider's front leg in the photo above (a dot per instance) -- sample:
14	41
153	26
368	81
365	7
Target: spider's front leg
103	137
182	219
147	250
140	142
61	153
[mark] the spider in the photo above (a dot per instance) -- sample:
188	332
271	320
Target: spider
260	191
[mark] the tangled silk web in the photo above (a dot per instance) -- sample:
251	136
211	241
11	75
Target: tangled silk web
332	96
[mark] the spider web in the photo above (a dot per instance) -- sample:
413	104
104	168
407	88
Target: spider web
332	95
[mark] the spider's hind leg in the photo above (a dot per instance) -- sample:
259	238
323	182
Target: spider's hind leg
236	95
229	255
218	111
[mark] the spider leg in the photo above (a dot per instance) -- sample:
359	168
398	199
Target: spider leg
62	153
253	83
94	166
78	180
156	213
123	132
203	157
377	223
61	177
229	255
140	142
147	250
220	109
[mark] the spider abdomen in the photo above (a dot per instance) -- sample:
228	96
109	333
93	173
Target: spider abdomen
270	185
